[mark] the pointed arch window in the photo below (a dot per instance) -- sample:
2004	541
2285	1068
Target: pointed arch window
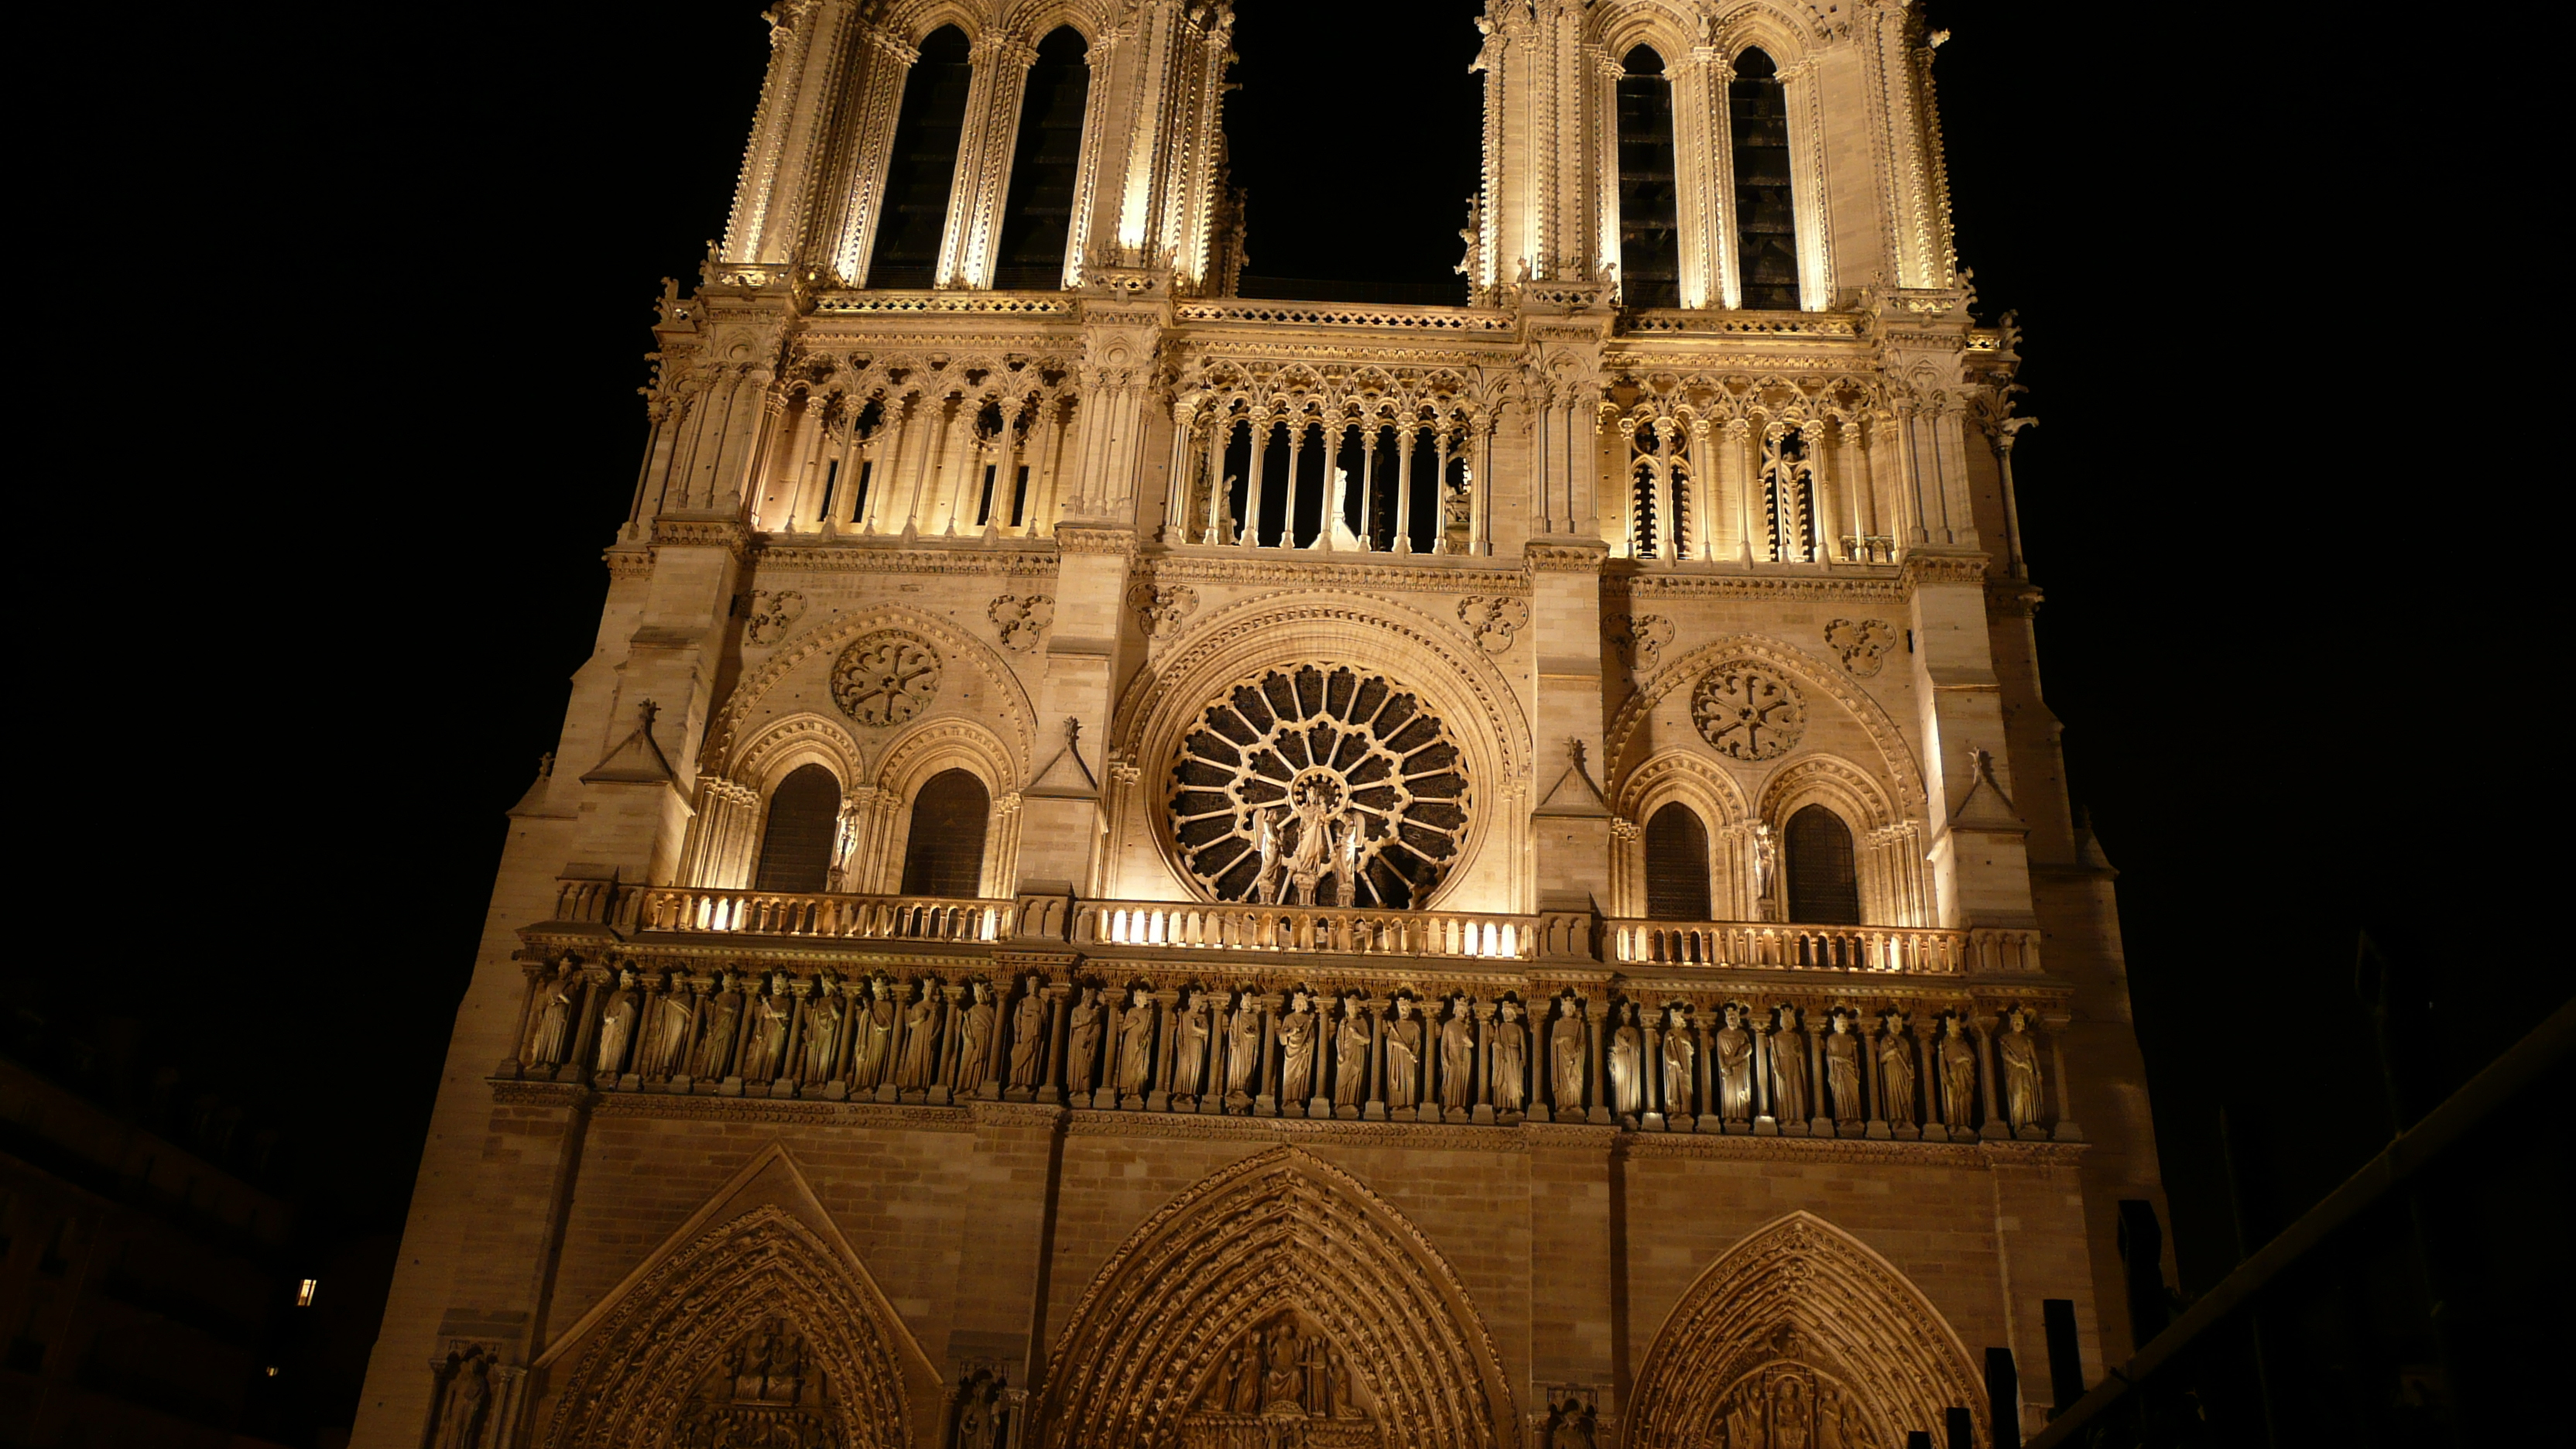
1650	265
1766	218
1676	865
1038	215
943	855
1823	889
796	843
923	166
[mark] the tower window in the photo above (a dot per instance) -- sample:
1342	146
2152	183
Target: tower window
923	167
796	844
1766	221
1823	890
1650	268
1038	215
1676	865
944	854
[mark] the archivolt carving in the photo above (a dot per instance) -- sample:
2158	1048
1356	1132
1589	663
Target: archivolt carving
1842	785
1807	670
940	745
1279	1233
649	1357
1799	1318
1681	775
781	745
1003	698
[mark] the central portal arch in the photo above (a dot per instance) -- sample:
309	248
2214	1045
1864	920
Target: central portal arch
1278	1289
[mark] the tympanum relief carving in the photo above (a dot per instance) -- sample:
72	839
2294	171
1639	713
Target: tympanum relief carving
885	678
1285	1384
768	1393
1322	788
1785	1404
1747	713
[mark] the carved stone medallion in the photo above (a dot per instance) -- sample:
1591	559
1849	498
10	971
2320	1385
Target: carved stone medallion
1493	620
1160	610
1323	787
1746	713
771	613
1021	620
1864	644
885	678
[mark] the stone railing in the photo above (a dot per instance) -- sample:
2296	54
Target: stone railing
1746	323
1445	320
1742	945
1021	304
1194	926
835	917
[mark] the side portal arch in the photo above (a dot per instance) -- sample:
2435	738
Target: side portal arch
1797	1329
1279	1286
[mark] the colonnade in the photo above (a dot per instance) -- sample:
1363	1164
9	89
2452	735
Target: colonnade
934	463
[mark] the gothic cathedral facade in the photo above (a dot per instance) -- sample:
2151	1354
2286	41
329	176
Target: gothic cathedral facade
1136	866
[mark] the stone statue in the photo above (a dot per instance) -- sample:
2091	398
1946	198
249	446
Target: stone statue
1958	1076
1565	1053
1243	1049
1458	1058
772	1012
876	1038
1766	860
1681	1054
920	1061
1136	1044
1028	1035
1895	1073
1627	1062
1297	1050
974	1040
1265	847
460	1413
1345	1403
669	1031
1842	1071
617	1025
1283	1377
1189	1060
822	1033
1082	1042
2017	1052
1735	1068
1511	1061
547	1044
715	1040
1789	1069
1351	1055
1403	1055
1346	857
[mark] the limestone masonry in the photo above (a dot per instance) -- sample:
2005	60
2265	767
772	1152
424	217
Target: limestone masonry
1138	866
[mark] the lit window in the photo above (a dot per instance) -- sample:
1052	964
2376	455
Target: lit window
272	1370
304	1295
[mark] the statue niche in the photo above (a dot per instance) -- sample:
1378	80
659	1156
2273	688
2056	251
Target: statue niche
766	1393
1283	1384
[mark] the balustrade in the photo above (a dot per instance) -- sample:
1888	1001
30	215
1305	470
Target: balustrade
839	917
1195	926
1763	946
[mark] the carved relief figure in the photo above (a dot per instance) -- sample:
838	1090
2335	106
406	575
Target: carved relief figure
1028	1035
1243	1051
547	1044
1297	1050
920	1059
771	1015
1680	1055
1958	1075
1189	1059
1082	1042
1735	1068
1627	1063
1511	1061
1565	1054
669	1030
1842	1071
822	1033
2017	1052
715	1043
461	1410
1457	1058
617	1025
975	1040
1789	1069
1283	1375
876	1038
1403	1054
1350	1055
1895	1072
1136	1044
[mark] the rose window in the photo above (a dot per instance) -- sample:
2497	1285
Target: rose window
1746	713
885	678
1320	787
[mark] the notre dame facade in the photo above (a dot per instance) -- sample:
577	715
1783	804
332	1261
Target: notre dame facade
1137	866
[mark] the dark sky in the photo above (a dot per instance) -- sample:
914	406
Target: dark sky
338	390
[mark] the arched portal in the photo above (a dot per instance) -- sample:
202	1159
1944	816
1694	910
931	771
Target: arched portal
1288	1270
1800	1335
755	1329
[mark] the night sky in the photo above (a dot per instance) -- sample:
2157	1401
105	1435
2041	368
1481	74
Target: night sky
339	398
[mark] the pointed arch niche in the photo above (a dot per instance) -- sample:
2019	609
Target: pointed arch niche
756	1314
1798	1322
1280	1253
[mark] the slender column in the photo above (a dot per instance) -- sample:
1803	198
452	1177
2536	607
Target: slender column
2004	431
1288	515
1480	489
1739	481
1874	1120
967	483
1374	1101
1820	1107
1827	516
1855	458
846	501
1176	497
1992	1122
1059	1026
1667	496
1219	433
1760	1028
1404	490
1254	484
1368	488
1595	1040
804	479
1909	474
1480	1020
